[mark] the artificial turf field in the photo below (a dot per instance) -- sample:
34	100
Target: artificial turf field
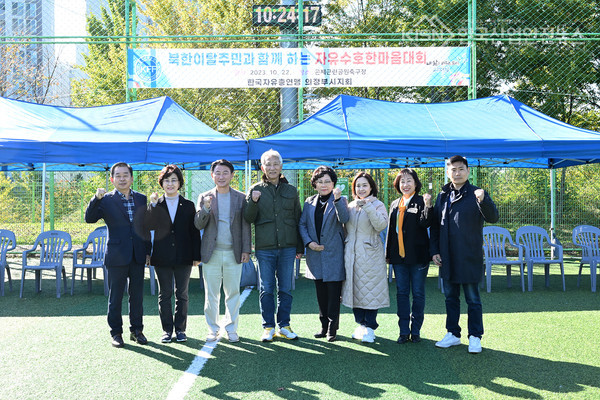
543	344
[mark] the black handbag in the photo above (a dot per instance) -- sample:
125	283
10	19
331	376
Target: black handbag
249	274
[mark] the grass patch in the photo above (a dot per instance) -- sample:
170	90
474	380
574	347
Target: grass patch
537	345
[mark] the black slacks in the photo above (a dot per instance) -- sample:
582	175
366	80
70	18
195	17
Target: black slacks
166	275
328	297
132	277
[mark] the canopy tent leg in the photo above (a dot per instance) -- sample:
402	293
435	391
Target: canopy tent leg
43	194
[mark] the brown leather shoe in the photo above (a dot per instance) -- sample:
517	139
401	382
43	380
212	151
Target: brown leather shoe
117	341
138	337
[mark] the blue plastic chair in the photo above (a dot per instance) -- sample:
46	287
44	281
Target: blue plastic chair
7	243
94	250
587	237
536	242
496	240
53	245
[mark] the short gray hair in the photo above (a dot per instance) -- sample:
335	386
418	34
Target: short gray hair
270	153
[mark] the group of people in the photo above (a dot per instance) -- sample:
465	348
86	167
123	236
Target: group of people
345	254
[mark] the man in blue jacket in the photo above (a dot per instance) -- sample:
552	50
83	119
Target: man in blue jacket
457	247
128	245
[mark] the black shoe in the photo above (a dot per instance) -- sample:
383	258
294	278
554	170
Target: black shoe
138	337
402	339
331	336
415	338
117	341
181	336
321	334
166	337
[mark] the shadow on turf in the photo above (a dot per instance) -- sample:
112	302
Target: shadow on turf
500	300
303	369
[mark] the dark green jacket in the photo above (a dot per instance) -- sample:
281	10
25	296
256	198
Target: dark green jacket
275	216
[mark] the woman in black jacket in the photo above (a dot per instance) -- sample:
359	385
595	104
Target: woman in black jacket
407	249
175	249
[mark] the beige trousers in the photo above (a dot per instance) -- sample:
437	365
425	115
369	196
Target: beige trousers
222	269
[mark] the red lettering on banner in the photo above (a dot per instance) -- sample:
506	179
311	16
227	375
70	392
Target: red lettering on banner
358	58
371	57
321	58
345	59
333	58
383	57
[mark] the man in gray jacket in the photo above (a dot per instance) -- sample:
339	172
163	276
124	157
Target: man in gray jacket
225	247
274	208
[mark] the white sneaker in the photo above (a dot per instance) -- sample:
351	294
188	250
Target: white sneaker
233	337
448	341
369	337
474	345
212	336
359	332
287	333
268	334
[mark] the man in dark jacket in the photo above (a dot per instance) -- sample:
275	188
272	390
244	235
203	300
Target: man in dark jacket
128	245
456	245
273	206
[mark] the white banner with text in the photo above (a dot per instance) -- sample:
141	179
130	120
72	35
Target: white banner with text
294	67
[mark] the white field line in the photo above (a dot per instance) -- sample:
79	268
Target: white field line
184	384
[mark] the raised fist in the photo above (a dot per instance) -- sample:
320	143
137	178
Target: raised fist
337	193
256	195
427	199
206	202
153	198
479	194
100	192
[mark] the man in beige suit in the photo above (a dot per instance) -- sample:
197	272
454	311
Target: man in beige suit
225	247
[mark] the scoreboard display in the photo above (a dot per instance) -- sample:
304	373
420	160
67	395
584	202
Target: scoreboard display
285	16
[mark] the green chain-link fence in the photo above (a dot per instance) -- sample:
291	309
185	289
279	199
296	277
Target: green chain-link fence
545	53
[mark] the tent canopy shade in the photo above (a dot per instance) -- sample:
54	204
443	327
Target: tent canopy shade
147	134
499	131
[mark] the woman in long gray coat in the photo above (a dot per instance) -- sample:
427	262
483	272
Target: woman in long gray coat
322	231
365	289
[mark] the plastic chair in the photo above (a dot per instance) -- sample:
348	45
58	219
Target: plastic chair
97	240
532	238
587	237
495	242
8	242
53	245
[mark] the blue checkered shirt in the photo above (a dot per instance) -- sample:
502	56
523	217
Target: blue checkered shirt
128	203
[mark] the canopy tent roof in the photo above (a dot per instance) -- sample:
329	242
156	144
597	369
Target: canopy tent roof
147	133
354	132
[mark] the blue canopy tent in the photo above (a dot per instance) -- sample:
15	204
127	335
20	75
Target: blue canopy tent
147	133
354	132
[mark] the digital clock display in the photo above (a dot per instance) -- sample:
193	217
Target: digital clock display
280	15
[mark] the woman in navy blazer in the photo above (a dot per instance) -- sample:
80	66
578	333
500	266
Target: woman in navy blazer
176	247
322	231
407	249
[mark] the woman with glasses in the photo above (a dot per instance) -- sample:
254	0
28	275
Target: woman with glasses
322	230
176	248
